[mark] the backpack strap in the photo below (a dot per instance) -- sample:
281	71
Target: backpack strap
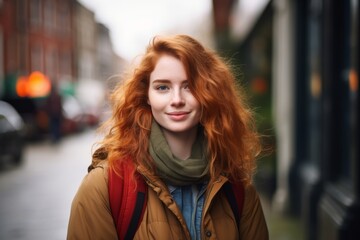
235	194
127	197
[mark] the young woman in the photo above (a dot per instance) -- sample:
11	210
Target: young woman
180	121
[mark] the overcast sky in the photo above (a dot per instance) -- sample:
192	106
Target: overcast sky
134	22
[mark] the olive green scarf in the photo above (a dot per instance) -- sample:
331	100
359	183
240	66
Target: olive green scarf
175	171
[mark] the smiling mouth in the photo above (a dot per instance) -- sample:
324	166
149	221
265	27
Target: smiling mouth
177	116
177	113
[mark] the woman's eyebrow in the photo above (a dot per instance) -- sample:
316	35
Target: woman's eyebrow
167	81
161	81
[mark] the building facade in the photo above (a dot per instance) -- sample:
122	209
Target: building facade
52	42
38	36
313	55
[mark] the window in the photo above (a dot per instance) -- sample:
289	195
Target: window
49	16
35	13
36	57
51	62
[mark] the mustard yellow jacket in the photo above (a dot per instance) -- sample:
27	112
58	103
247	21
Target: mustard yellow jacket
91	218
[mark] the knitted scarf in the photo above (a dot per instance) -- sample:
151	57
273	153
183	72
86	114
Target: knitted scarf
175	171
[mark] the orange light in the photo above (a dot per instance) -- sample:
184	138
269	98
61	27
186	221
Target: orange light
353	80
21	86
315	84
259	85
38	85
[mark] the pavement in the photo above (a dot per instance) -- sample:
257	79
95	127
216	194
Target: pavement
35	198
281	226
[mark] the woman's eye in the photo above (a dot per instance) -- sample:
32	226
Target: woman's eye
162	88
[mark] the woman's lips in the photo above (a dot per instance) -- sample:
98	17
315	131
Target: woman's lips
178	116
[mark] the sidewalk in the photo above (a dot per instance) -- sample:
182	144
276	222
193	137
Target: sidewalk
281	227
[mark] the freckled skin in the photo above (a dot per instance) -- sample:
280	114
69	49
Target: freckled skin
173	105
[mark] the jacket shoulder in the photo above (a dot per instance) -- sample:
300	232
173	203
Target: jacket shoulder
90	216
99	157
252	223
94	186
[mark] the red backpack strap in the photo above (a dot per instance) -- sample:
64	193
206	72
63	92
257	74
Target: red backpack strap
127	196
235	194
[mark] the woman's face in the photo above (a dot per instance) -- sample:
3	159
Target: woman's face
172	104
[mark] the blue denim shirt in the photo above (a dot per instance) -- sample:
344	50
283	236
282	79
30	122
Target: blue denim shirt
190	200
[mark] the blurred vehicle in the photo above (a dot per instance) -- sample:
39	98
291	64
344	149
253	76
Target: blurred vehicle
72	115
76	117
12	135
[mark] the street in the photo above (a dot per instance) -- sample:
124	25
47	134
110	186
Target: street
35	198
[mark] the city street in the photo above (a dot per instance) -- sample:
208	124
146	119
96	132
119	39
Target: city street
35	198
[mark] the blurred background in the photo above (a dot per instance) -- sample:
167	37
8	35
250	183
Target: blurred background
297	60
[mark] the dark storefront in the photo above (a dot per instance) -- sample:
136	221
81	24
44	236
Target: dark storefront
324	183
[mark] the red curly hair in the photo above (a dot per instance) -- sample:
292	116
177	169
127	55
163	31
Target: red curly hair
232	140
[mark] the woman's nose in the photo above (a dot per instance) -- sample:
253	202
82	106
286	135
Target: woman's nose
177	98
